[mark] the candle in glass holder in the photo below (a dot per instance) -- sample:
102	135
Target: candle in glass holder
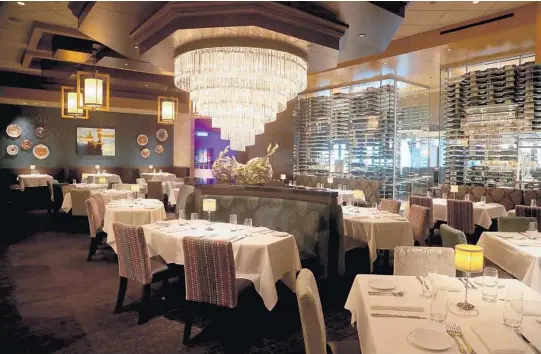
209	205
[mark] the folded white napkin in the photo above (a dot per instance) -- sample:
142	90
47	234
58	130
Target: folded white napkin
255	230
398	307
446	282
279	234
498	339
531	243
531	308
391	303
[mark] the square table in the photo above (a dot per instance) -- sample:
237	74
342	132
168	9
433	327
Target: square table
515	254
109	177
107	194
378	229
483	213
35	180
264	257
158	176
379	335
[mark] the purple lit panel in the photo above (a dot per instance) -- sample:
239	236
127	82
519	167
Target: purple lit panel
207	148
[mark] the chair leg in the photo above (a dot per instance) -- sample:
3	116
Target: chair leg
145	304
93	248
188	324
121	293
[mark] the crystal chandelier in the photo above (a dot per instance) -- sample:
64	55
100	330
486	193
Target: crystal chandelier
241	88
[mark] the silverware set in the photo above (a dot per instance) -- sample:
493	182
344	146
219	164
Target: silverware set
455	332
387	293
388	315
534	348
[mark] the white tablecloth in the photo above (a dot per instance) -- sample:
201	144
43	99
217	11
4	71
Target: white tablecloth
27	181
90	186
523	262
137	215
108	195
111	178
380	230
157	176
482	213
262	258
174	196
389	335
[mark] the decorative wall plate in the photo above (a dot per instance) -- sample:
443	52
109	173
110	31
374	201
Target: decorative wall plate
26	144
145	153
41	151
40	132
14	131
162	134
142	140
159	149
12	150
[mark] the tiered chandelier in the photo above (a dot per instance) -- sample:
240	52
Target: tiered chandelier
241	88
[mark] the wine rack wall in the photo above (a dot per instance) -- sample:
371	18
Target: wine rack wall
485	114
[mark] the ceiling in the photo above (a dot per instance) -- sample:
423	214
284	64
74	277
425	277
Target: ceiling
152	70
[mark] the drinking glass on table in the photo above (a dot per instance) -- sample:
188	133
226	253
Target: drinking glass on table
339	187
467	197
444	196
429	194
513	308
483	199
490	285
233	220
181	217
428	286
248	222
193	218
532	226
533	203
438	305
74	181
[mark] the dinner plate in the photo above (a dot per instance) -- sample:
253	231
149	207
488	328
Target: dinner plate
503	235
479	281
430	339
381	284
12	150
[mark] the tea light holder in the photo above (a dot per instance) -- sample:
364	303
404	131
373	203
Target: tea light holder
97	167
209	205
32	169
330	181
454	190
283	178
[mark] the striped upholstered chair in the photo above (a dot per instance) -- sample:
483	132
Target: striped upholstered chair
531	212
95	224
135	264
427	203
418	216
460	215
101	205
392	206
209	268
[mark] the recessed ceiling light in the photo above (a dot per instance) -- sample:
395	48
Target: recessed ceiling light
362	35
384	63
448	49
146	85
475	2
126	64
417	73
20	3
136	47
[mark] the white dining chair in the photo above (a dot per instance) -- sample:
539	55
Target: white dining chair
412	260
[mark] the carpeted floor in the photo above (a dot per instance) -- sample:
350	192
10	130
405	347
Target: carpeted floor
52	300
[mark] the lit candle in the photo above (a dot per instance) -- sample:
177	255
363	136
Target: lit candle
151	166
283	177
330	180
97	167
32	167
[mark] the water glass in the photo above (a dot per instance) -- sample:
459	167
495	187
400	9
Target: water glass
533	202
532	226
490	285
294	183
193	218
483	199
248	222
339	187
444	196
233	220
513	308
427	286
74	181
467	197
344	188
291	183
161	171
181	217
438	305
429	194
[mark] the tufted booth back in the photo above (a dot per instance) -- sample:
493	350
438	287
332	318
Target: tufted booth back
508	197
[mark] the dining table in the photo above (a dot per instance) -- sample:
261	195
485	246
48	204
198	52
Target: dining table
518	253
33	180
107	194
135	212
90	186
389	324
100	177
158	176
262	256
483	213
377	228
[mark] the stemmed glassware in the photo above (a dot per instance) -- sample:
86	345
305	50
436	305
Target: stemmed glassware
233	221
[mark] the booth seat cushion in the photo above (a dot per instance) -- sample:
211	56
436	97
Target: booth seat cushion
308	222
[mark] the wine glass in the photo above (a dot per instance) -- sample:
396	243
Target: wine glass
193	218
248	222
181	217
233	220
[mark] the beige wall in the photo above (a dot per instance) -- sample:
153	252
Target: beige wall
183	146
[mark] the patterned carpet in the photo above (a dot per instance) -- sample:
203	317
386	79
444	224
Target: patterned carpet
52	300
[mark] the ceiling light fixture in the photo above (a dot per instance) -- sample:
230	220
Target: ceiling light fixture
68	102
241	88
448	49
475	2
362	35
94	87
136	47
21	3
167	109
416	73
384	63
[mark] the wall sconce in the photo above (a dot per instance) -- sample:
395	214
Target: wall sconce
69	107
93	90
167	109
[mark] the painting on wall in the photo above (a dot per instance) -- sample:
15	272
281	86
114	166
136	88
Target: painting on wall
95	141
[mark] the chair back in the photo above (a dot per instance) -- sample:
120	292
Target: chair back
313	323
155	190
132	251
451	237
531	212
392	206
413	261
95	218
123	187
514	224
427	203
460	215
418	216
101	204
185	199
209	268
78	197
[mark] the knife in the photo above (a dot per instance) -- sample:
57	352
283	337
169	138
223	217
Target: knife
422	282
528	342
398	316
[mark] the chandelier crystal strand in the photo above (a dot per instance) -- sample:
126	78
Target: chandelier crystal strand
240	88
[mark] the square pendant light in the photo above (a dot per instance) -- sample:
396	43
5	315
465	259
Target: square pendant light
94	88
69	107
167	109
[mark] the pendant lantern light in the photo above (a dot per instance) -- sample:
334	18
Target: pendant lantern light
69	106
93	89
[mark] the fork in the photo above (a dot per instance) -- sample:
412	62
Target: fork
451	332
458	332
386	293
